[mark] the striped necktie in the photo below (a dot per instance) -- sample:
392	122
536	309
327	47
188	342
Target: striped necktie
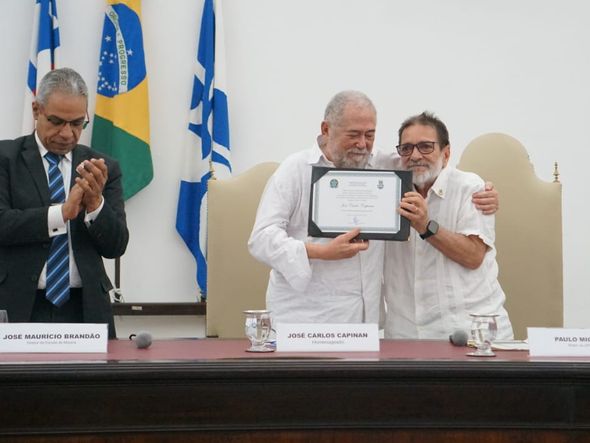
57	289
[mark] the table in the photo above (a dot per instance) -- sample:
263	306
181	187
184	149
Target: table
211	390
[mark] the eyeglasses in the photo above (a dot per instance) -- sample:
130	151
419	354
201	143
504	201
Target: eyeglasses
79	123
408	148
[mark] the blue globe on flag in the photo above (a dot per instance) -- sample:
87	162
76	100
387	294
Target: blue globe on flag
121	65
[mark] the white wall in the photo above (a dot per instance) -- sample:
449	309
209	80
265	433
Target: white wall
483	66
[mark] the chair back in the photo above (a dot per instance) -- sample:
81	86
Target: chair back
235	281
528	231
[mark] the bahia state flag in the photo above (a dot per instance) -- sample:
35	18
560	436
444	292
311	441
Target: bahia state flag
207	150
121	121
43	55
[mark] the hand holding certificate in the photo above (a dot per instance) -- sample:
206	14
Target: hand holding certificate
343	199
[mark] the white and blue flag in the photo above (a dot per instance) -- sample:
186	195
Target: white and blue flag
43	55
207	148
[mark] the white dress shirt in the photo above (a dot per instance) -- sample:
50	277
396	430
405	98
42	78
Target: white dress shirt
428	295
55	222
303	290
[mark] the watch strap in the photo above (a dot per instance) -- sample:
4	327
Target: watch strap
431	229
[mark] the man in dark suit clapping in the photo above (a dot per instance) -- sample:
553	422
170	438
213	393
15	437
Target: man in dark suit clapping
61	212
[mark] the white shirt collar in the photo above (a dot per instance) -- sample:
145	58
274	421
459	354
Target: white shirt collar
43	150
440	185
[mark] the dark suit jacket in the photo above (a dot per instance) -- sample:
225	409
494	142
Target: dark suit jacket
24	238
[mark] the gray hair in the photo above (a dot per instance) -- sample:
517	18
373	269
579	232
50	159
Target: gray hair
336	106
64	80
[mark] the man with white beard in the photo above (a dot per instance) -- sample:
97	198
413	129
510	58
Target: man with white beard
447	270
320	280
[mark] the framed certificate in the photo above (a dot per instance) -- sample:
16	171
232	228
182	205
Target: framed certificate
343	199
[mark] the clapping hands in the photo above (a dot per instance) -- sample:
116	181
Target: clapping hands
87	190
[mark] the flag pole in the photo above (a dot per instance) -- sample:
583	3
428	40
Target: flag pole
212	170
117	293
202	294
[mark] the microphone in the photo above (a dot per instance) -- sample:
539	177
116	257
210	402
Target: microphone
459	338
142	339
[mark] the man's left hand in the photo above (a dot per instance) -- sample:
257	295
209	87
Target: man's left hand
93	177
487	201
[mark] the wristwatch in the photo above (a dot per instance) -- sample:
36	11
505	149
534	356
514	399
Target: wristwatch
431	229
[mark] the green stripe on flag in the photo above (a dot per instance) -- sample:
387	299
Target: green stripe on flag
132	153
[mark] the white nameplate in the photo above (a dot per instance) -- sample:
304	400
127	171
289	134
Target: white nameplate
318	337
53	337
559	342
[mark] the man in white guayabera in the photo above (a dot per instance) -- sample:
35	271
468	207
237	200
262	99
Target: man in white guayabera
447	270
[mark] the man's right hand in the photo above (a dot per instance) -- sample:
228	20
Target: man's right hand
73	205
92	180
343	246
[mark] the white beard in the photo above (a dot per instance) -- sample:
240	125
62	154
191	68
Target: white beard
427	177
347	162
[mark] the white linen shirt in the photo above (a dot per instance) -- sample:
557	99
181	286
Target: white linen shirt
428	295
303	290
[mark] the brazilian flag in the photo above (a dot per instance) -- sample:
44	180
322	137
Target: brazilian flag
121	121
